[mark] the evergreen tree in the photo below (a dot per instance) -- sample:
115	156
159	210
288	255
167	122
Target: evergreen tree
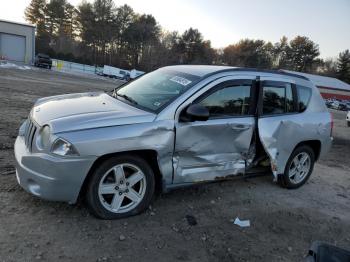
249	53
329	67
280	54
35	14
302	54
55	16
102	33
343	66
140	35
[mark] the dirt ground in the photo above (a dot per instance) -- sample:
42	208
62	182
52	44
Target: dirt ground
284	223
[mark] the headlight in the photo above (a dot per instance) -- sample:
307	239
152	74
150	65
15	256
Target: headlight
63	148
44	137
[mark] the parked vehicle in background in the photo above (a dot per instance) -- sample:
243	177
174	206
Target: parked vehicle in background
176	126
99	71
328	102
115	72
342	106
339	105
347	104
135	73
42	60
334	104
348	118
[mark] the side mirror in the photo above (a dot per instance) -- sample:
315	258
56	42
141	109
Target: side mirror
197	112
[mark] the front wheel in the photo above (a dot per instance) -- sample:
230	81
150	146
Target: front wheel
120	187
299	167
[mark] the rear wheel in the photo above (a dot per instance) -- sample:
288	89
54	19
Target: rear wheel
120	187
299	167
349	123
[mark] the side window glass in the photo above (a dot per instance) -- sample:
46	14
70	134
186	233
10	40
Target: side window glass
304	95
228	101
278	100
273	100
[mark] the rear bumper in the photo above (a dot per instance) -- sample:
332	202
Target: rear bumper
50	177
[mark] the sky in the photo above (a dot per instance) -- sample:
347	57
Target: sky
224	22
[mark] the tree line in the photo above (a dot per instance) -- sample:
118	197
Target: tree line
102	33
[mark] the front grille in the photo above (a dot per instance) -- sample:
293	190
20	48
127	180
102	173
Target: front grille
29	134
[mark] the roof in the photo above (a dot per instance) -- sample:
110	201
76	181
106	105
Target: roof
324	81
207	70
199	70
319	81
16	23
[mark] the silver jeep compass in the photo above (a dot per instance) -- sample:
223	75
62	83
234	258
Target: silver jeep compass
176	126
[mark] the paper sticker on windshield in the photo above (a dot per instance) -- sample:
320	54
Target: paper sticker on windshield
180	80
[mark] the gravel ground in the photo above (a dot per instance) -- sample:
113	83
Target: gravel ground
284	223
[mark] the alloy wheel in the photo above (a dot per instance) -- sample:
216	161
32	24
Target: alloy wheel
122	188
299	167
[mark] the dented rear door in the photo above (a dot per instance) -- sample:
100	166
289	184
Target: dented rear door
212	149
278	126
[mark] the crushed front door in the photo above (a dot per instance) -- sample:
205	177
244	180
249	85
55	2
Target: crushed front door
212	149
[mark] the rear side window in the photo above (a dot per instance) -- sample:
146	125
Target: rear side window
229	101
277	100
304	95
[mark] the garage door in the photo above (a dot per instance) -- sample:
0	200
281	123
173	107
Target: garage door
12	47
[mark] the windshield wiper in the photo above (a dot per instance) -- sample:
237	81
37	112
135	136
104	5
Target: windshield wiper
127	98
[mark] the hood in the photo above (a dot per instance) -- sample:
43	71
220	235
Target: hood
86	110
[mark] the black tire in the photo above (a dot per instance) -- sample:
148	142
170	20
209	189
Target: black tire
284	179
92	198
348	123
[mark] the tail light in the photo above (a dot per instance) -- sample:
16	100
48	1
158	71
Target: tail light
332	123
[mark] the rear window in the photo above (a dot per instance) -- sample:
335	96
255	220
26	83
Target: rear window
304	94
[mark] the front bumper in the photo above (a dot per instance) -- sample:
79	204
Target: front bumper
50	177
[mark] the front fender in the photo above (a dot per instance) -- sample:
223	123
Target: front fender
157	136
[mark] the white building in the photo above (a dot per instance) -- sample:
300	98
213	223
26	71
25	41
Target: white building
329	87
17	41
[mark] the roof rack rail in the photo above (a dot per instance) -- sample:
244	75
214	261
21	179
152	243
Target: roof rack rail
279	71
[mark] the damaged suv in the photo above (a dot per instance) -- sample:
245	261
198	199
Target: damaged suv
176	126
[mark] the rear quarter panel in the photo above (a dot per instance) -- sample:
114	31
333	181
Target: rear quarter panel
281	134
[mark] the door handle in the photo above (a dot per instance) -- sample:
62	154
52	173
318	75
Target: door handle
240	127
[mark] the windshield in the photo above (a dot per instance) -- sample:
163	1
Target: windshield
157	89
